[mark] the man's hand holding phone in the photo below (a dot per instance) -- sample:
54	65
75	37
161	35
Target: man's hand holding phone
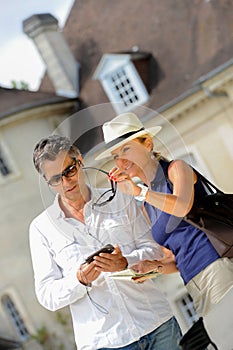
106	249
105	262
87	272
107	259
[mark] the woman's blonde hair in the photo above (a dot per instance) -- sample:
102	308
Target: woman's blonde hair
142	139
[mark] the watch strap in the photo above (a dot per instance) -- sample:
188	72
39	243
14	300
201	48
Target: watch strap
142	195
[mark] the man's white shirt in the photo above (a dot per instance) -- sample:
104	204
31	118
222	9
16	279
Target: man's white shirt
124	311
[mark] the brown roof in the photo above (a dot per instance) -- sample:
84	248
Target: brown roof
187	38
13	100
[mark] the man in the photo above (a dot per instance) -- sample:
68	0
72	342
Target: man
107	313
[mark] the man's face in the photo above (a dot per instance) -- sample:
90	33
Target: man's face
63	175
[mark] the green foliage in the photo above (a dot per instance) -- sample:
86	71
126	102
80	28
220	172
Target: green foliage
61	318
22	85
41	336
50	340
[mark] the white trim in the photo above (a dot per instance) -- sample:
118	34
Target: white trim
13	295
186	308
15	317
225	134
110	63
139	94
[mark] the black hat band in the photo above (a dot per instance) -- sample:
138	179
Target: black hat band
122	137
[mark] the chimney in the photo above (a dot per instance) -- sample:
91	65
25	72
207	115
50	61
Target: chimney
62	67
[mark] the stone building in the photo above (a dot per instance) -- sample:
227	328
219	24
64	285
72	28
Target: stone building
170	62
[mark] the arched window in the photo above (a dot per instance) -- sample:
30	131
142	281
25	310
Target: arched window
185	305
4	167
15	318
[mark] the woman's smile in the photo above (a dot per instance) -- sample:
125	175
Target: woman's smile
128	166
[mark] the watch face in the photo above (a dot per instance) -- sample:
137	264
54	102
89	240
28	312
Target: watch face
142	195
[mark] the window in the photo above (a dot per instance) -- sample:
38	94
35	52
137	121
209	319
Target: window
15	318
125	88
185	305
8	169
4	168
121	82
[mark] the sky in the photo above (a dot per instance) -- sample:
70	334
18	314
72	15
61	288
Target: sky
19	58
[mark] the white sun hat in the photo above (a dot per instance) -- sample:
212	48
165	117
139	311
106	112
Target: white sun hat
121	129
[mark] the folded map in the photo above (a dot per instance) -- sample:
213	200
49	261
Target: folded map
132	275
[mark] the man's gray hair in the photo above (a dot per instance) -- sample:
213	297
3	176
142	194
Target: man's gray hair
50	147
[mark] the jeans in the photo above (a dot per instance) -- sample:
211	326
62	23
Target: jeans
165	337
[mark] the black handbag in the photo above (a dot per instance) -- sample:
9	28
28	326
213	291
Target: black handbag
213	214
196	338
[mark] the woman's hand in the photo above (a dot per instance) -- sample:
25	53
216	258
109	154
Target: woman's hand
166	265
124	182
145	266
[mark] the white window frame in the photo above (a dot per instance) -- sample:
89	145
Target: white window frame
9	163
134	81
15	317
186	308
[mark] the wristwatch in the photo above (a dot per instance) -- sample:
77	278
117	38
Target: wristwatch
142	195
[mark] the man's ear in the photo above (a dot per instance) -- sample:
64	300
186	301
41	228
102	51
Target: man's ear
80	160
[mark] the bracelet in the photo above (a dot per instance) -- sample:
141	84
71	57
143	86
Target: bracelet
142	195
159	269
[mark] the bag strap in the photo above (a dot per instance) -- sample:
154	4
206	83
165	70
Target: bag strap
209	185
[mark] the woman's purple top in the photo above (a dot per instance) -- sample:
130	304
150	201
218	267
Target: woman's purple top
191	247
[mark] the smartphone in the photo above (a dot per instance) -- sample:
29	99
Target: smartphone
106	249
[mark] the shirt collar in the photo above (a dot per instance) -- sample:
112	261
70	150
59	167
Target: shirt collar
59	213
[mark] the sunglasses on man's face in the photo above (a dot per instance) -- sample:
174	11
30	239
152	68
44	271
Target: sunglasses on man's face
104	197
70	171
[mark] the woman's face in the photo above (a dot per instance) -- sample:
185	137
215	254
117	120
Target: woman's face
133	156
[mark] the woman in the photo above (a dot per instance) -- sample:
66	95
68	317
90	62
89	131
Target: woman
168	195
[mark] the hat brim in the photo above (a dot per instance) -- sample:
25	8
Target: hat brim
107	153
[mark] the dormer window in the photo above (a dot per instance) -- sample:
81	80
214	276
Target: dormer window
121	82
123	87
